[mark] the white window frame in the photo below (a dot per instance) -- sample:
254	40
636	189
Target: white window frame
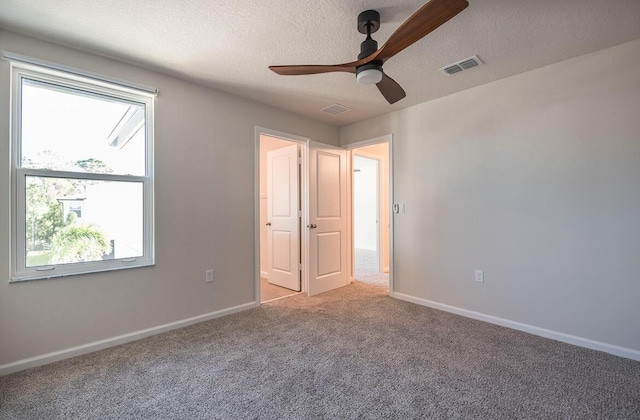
76	80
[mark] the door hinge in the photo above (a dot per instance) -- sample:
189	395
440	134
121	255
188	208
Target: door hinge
299	161
299	267
299	213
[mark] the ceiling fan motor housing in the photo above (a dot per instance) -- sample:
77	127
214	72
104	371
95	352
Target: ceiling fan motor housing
368	23
372	71
368	47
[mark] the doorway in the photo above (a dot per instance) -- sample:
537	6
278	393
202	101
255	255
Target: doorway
371	213
313	238
280	216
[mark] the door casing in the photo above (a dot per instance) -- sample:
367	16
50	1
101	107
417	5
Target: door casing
388	138
304	197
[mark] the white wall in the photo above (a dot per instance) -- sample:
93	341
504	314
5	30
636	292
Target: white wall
534	179
204	162
365	203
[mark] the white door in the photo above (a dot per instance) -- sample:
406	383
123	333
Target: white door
327	219
283	223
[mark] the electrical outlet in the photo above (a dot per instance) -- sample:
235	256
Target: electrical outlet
480	276
208	276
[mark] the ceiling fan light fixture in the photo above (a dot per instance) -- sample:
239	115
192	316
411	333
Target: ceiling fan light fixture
369	74
369	77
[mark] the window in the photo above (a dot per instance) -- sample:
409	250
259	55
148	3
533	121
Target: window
82	174
77	209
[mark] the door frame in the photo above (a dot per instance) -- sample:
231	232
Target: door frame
304	199
350	147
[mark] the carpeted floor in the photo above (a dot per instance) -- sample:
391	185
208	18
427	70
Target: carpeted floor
366	268
349	353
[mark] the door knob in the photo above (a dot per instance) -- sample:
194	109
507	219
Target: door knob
268	223
312	226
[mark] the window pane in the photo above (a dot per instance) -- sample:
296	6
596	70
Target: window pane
72	130
70	220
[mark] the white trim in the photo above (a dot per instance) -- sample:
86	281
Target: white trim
55	356
542	332
387	138
84	176
304	197
21	68
25	61
351	254
391	216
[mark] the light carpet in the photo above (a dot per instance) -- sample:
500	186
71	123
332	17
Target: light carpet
366	268
350	353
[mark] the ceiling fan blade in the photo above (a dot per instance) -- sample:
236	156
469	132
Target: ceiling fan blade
427	19
312	69
390	89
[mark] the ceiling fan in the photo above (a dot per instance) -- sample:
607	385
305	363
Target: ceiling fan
368	67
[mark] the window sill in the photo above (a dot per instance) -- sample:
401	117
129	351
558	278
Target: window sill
50	274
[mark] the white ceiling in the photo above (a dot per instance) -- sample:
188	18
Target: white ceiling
229	44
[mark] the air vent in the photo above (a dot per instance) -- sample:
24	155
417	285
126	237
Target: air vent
452	69
466	64
336	109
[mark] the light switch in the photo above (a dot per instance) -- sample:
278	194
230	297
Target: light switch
398	208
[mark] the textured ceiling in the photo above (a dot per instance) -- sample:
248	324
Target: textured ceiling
228	44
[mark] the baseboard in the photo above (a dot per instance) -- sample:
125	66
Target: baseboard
264	275
542	332
115	341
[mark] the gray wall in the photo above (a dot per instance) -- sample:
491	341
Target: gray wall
204	159
534	179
